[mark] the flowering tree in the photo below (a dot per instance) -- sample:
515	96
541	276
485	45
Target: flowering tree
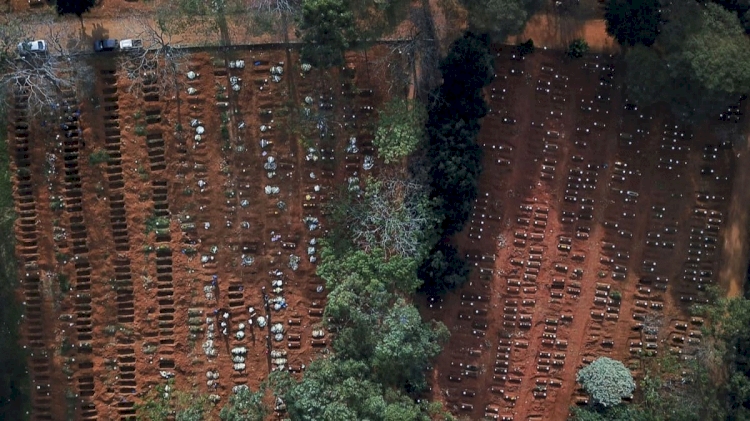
607	381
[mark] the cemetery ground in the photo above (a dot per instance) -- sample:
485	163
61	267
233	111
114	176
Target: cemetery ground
174	235
598	225
148	225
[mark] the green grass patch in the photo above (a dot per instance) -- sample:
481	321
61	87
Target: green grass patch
156	222
64	282
99	156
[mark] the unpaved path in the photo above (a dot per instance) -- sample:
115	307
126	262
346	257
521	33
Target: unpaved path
735	248
556	32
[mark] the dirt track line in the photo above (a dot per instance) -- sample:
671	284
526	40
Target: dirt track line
735	246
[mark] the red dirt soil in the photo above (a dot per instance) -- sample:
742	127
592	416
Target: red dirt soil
137	303
562	151
553	31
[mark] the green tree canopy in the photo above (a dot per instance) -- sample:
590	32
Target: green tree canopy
400	129
395	275
335	390
443	270
648	77
718	54
500	18
190	407
633	22
456	167
607	381
699	64
577	48
467	68
244	405
405	346
373	322
328	29
374	19
74	7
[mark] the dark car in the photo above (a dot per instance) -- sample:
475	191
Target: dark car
105	45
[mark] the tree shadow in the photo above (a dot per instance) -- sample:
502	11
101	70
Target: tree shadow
99	32
85	39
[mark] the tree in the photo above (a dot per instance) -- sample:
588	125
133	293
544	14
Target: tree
645	76
616	413
374	19
336	390
400	129
190	407
443	270
74	7
328	30
244	405
456	165
728	357
396	274
633	22
372	322
700	62
363	287
393	214
718	55
158	63
468	66
607	381
577	48
500	18
277	7
44	79
405	346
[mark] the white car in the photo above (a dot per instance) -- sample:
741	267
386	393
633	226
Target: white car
32	47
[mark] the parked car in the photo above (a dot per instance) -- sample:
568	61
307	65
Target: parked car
32	47
105	45
130	44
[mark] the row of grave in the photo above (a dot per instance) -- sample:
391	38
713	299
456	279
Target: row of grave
216	324
72	145
163	261
28	236
72	203
124	363
475	304
532	221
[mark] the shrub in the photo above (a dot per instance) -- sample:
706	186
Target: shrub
400	130
577	48
607	381
526	48
98	156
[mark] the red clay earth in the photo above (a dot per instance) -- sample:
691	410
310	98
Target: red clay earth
143	302
582	195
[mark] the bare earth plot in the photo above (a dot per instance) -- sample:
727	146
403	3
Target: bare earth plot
597	225
156	227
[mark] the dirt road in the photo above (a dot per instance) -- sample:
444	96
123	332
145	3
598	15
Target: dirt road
735	247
